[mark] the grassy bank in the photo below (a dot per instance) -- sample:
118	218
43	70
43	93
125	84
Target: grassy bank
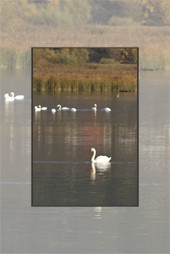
153	42
86	78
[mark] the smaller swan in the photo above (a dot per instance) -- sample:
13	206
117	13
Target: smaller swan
8	97
106	109
73	109
37	109
94	108
99	159
42	108
53	110
17	97
62	108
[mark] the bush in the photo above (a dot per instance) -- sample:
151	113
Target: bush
108	61
117	21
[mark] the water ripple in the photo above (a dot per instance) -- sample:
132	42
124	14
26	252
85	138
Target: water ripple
15	183
79	162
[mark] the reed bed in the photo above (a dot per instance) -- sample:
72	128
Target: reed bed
86	78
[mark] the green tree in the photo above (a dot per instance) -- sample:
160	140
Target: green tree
142	11
128	55
16	14
10	15
38	56
72	55
165	11
104	10
75	12
152	12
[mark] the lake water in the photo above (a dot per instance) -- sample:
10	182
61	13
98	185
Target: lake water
143	229
62	171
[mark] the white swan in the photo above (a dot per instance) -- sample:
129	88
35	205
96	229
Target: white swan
17	97
99	159
42	108
73	109
62	108
8	97
94	108
37	109
106	109
53	110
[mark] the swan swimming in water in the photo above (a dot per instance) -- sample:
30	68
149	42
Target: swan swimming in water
94	108
42	108
106	109
62	108
37	109
17	97
99	159
73	109
53	110
8	97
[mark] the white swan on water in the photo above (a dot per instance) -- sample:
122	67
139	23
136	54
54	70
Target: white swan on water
106	109
73	109
99	159
62	108
53	110
17	97
8	97
42	108
94	108
37	109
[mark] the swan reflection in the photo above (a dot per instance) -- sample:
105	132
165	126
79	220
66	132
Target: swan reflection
98	212
99	167
102	167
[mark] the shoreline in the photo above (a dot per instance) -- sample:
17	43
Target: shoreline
85	78
153	53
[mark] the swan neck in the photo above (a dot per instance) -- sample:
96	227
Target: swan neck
94	154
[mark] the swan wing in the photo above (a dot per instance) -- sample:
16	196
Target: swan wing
107	109
65	108
73	109
19	97
102	158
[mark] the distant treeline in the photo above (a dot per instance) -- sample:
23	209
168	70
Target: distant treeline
78	56
141	23
79	12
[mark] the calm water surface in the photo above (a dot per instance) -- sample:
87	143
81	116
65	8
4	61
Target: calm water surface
62	170
143	229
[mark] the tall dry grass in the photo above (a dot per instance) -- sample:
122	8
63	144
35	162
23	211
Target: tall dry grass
153	42
88	77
